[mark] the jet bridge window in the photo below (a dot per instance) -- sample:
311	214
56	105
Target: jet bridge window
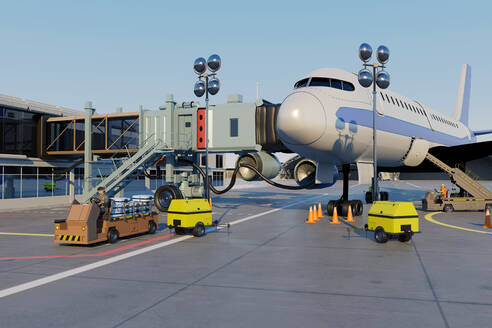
234	127
302	83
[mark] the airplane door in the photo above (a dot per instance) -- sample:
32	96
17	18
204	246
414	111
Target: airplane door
185	131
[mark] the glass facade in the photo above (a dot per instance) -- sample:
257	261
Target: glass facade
18	131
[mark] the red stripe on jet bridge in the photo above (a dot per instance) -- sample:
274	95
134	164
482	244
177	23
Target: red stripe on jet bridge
112	251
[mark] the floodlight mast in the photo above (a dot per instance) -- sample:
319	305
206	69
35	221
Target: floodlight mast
366	79
211	86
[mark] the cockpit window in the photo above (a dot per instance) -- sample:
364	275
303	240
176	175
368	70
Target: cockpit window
337	84
347	86
330	83
300	84
319	82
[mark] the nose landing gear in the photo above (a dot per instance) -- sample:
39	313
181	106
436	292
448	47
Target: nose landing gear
343	203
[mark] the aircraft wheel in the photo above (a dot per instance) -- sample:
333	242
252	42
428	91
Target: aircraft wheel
357	207
368	197
330	207
344	208
383	195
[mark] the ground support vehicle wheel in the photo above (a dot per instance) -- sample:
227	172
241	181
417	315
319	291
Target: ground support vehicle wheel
113	235
448	208
199	229
404	237
180	231
380	236
152	227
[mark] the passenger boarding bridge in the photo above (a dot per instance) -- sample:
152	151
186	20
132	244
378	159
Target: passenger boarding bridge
118	147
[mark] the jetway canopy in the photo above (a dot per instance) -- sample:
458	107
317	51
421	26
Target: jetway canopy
111	133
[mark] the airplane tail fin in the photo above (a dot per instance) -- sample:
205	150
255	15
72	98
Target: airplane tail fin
462	107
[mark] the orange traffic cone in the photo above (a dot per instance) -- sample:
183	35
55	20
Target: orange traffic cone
315	213
320	211
311	216
335	216
350	217
487	219
210	201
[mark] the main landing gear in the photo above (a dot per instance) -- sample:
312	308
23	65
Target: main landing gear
343	203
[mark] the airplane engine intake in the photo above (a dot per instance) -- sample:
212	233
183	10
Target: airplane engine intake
305	174
264	162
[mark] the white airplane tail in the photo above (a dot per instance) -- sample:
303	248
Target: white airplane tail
462	107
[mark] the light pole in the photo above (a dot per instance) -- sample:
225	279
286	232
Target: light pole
366	79
212	86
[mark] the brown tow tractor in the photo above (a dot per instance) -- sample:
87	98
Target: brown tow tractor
84	225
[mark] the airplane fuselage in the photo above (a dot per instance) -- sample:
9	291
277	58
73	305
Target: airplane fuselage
328	118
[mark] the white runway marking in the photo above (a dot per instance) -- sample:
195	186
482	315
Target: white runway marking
98	264
413	185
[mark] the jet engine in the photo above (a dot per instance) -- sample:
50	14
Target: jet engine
264	162
305	174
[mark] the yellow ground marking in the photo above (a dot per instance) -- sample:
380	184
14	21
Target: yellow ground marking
429	218
27	234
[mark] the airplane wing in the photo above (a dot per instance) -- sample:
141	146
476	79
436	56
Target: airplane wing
462	153
451	155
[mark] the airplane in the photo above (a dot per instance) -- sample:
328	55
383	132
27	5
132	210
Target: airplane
328	118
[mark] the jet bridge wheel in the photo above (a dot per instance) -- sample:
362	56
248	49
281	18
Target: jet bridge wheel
164	195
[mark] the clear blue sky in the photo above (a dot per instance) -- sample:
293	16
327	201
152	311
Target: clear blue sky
126	53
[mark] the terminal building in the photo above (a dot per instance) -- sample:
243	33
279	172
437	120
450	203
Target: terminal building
42	147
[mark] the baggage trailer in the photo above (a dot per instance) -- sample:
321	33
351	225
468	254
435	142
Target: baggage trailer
434	201
84	225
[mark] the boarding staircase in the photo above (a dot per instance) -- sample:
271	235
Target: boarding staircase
461	179
123	171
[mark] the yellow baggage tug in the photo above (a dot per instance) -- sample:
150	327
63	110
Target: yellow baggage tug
190	215
392	220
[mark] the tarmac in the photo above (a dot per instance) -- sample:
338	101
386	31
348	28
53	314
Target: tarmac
267	269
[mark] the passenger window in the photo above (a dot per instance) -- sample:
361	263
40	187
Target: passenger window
337	84
301	83
319	82
234	127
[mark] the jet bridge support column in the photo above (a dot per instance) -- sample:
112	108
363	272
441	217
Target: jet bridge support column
89	111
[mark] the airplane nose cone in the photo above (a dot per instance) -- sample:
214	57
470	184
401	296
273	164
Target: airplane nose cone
301	119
